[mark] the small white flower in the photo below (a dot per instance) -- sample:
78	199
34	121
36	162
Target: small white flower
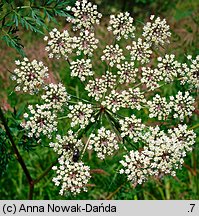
104	143
156	31
81	68
71	176
85	15
159	107
59	44
112	54
121	25
81	114
140	51
30	76
55	96
182	105
40	120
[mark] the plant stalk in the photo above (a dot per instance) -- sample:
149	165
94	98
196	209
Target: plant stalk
17	154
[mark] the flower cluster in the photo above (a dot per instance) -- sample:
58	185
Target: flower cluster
104	143
161	156
156	31
118	95
109	79
55	96
114	101
140	51
72	176
190	74
98	87
131	127
131	98
112	54
183	134
121	25
182	105
81	68
159	107
85	15
29	76
67	145
59	44
86	43
40	120
134	98
81	114
168	67
151	77
127	72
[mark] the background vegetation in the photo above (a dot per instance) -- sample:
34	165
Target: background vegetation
183	17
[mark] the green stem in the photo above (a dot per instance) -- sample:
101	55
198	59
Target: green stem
81	99
85	147
18	155
45	172
193	127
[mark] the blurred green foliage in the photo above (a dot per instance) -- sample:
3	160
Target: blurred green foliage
30	15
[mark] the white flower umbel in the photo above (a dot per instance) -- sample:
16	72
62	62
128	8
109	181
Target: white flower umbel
109	79
59	44
123	82
159	107
168	67
194	72
113	55
182	105
140	51
121	25
86	43
152	133
104	143
71	176
161	156
67	145
169	151
40	120
131	127
133	98
190	74
151	77
166	156
81	114
30	76
127	72
96	88
156	31
135	166
85	15
184	135
114	101
55	96
81	69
